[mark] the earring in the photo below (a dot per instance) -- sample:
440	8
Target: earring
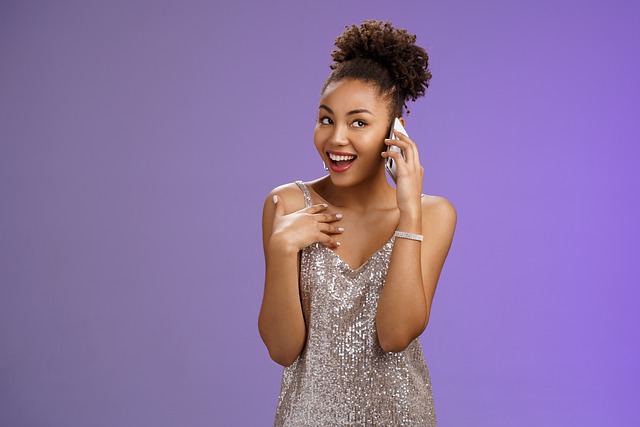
325	166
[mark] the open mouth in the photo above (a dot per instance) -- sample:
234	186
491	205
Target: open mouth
340	162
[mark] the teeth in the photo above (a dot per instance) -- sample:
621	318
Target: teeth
337	158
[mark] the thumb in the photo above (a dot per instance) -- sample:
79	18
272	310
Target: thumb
279	205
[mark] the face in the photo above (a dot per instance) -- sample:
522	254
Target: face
353	121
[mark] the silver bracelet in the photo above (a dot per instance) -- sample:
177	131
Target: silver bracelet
410	236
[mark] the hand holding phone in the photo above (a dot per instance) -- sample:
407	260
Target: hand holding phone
390	164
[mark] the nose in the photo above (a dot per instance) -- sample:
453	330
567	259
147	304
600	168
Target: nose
339	135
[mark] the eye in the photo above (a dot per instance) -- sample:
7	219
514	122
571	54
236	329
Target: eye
359	124
326	120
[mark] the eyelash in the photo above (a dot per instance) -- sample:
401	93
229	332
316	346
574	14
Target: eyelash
361	123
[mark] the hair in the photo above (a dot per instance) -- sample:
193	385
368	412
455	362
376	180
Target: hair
377	53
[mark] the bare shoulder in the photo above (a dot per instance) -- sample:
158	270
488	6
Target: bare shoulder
439	213
289	195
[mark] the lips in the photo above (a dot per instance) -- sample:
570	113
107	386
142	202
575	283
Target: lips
340	162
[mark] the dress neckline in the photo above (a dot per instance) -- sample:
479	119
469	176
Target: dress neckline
307	196
364	264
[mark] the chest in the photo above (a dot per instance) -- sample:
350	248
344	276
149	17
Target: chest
364	235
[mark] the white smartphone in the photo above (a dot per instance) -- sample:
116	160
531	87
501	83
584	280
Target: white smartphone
390	164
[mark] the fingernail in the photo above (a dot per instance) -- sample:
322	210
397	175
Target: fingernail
275	199
325	205
338	216
340	229
337	243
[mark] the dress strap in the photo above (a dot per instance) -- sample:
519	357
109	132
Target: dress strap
305	191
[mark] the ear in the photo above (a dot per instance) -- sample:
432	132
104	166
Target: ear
402	122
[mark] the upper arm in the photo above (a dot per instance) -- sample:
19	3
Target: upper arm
439	219
268	212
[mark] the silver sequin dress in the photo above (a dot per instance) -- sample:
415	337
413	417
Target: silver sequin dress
343	377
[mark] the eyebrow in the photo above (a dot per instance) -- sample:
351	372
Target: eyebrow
350	113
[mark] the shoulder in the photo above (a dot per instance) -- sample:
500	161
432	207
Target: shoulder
438	212
290	195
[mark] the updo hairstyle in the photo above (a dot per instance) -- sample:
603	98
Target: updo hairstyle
377	53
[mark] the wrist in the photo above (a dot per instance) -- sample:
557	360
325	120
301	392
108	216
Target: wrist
411	209
409	236
280	246
410	222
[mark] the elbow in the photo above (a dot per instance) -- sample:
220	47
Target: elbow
394	346
398	339
426	321
282	358
282	351
396	342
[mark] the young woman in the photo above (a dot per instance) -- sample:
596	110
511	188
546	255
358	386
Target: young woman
352	263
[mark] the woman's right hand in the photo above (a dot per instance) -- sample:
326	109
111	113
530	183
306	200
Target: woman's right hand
299	229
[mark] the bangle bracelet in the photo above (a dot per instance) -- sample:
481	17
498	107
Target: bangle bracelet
410	236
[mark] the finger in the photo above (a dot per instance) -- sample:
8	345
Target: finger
414	147
279	205
396	155
313	209
402	137
416	155
408	147
328	241
328	217
404	167
403	140
331	229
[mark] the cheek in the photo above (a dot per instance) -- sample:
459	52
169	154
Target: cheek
318	140
375	144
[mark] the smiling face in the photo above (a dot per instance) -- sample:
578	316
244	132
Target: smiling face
353	121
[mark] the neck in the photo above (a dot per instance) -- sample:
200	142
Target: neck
372	192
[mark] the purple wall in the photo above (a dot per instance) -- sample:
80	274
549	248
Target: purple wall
139	139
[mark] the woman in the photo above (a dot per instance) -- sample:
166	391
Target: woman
352	263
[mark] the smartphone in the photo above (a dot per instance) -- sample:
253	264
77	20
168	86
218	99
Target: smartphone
390	164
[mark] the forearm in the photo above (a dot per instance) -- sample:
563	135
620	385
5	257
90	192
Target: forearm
402	309
281	321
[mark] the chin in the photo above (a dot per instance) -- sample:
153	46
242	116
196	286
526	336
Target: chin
340	180
345	181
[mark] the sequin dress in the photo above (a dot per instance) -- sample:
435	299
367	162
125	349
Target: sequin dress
343	377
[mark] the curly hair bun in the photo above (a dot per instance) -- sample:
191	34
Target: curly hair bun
394	49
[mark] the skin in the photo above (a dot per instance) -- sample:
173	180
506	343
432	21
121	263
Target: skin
354	213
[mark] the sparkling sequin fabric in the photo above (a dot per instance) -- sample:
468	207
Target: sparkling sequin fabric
343	377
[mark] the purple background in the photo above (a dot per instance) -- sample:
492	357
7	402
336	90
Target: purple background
139	139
